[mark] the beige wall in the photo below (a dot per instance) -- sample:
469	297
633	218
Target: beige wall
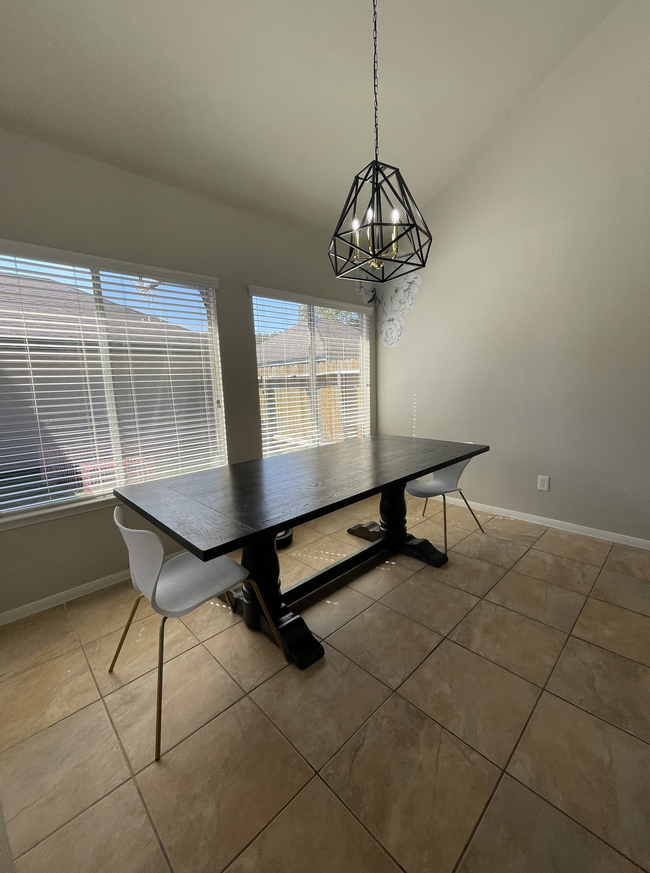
52	197
531	328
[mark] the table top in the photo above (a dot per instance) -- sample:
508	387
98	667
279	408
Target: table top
212	512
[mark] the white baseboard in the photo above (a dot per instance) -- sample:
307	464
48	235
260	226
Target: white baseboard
70	594
62	597
105	581
559	525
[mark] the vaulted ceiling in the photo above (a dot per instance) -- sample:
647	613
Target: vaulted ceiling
267	104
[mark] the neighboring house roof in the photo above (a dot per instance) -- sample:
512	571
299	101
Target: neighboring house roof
49	313
60	311
334	341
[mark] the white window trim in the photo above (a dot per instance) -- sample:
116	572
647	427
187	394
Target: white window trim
42	514
74	259
329	303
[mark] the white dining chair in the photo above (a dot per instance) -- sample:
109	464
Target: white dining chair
175	588
442	482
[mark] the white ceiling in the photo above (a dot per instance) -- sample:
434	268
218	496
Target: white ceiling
267	104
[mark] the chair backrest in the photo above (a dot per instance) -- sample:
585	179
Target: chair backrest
146	555
447	478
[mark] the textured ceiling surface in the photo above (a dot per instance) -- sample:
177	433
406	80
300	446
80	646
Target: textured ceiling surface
267	104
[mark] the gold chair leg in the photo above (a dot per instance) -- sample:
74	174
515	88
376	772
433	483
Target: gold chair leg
426	500
274	629
230	599
471	510
444	515
124	633
161	651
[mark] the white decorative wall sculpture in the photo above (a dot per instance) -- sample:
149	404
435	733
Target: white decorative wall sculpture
392	300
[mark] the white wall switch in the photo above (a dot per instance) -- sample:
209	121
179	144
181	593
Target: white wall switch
543	483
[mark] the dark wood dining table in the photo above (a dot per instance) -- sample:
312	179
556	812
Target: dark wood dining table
215	511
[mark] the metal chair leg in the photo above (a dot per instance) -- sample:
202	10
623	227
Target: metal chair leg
124	633
444	515
161	651
426	500
471	510
274	629
230	599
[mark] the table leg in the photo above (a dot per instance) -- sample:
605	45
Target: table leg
261	561
392	528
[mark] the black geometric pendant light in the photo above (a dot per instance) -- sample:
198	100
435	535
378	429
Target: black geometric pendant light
381	233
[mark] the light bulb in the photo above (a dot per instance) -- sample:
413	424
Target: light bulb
394	217
369	215
355	230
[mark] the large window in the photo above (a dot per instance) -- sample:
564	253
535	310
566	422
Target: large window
313	371
106	377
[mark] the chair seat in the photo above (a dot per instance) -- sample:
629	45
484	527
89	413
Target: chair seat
427	489
185	582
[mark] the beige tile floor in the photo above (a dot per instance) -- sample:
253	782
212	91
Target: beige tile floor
491	715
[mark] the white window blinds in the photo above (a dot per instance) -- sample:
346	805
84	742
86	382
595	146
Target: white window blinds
313	373
105	378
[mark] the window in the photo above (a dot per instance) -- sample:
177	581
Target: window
106	377
312	369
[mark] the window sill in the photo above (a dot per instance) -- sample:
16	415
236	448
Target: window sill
44	514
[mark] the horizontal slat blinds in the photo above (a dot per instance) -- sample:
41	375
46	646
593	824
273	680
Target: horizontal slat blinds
105	378
313	374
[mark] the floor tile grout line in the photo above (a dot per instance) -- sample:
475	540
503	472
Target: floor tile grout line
361	667
577	822
131	776
546	581
548	678
211	719
10	677
281	732
43	729
374	838
144	767
479	820
108	633
231	675
517	743
273	725
523	614
130	769
599	717
199	642
268	824
610	651
598	567
495	663
618	605
502	773
202	642
5	676
292	744
74	817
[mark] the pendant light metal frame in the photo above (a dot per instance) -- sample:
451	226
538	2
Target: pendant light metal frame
381	233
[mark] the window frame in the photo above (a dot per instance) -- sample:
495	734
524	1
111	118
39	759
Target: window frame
30	515
330	303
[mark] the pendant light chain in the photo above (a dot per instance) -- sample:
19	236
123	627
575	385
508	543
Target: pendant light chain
376	79
381	234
